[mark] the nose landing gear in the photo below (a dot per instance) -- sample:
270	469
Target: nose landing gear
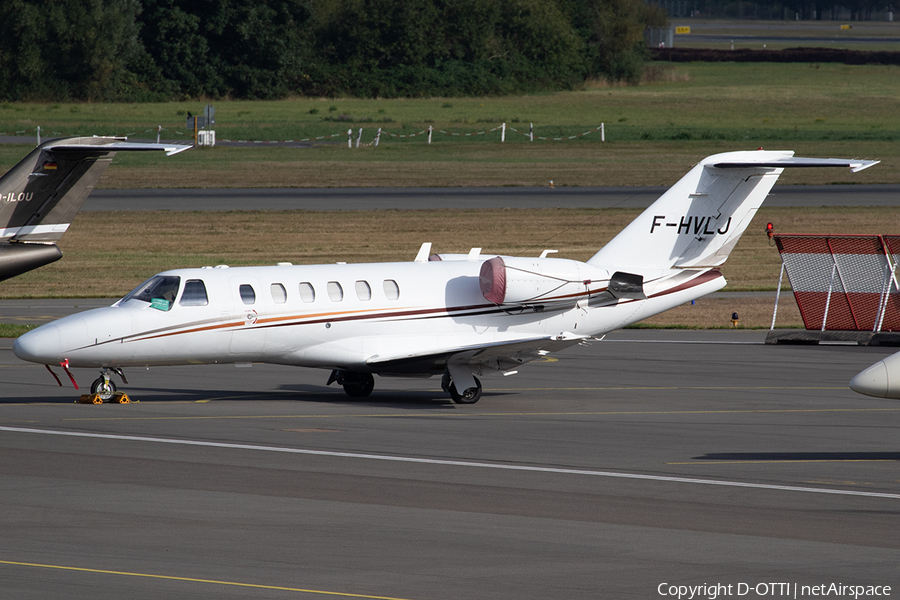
104	387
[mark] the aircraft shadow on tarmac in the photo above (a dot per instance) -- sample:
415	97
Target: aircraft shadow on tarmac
400	399
798	456
414	399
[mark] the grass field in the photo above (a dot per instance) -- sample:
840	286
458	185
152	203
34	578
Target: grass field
756	102
466	164
654	132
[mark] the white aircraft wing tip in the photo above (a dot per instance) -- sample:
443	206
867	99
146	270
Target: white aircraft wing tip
863	164
170	150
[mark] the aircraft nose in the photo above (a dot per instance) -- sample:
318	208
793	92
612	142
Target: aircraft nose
881	379
40	345
872	381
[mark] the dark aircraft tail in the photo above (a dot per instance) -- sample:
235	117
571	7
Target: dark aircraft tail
41	195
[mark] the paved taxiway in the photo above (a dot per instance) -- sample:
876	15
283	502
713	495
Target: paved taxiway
471	198
649	457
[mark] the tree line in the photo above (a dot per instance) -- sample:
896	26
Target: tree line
154	50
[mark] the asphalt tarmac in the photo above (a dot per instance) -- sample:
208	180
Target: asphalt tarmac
652	457
470	198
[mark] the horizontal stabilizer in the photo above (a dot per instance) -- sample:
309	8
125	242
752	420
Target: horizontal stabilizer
121	145
854	165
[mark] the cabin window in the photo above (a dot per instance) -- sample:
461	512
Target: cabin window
194	294
159	291
391	289
335	291
279	294
307	292
248	295
363	291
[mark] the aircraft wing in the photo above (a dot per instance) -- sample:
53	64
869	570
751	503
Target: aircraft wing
496	355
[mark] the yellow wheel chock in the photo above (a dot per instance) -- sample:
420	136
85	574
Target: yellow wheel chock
118	398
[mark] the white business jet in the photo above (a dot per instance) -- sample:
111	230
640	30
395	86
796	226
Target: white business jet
459	316
41	195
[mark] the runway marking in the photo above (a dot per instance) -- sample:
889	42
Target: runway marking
775	462
486	414
744	343
453	463
670	387
195	580
842	482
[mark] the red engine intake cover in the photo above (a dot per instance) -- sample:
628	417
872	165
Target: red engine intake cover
493	280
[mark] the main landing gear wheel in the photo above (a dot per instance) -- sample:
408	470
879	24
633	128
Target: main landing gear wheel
104	388
357	385
469	396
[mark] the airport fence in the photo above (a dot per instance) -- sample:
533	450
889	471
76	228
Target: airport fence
354	140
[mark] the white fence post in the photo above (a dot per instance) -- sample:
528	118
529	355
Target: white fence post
503	133
602	132
828	300
350	138
377	137
429	134
158	132
885	295
531	133
39	135
358	137
777	296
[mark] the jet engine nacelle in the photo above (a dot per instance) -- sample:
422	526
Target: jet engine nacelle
515	280
18	258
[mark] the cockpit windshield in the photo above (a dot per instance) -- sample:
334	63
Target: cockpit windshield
160	291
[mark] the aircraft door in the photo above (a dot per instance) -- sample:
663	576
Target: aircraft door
200	299
247	297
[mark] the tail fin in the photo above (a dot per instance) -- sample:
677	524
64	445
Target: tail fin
41	195
698	221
